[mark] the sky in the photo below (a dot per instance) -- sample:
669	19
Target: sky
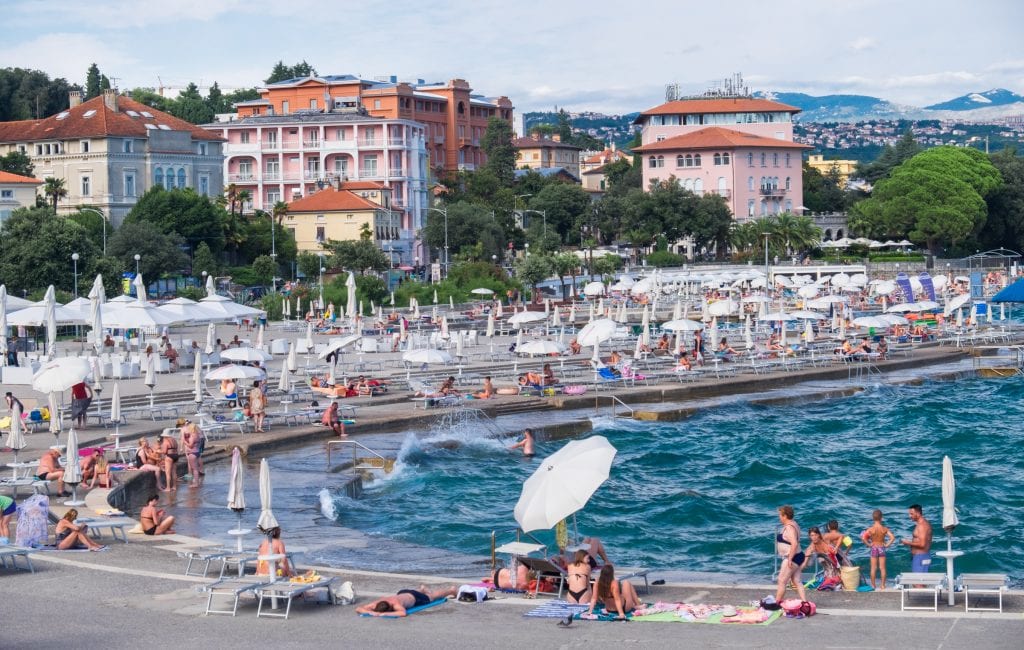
611	57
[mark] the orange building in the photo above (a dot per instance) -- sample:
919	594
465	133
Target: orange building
453	117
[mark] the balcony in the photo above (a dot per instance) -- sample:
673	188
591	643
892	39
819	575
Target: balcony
311	144
239	147
247	177
398	142
396	172
772	191
370	142
271	145
725	194
370	174
272	176
337	145
312	175
290	144
466	167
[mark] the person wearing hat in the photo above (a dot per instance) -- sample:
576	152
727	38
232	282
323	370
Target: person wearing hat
169	448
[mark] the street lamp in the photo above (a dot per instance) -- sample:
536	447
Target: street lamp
104	219
444	211
322	269
204	279
544	215
767	284
137	258
515	203
74	260
527	247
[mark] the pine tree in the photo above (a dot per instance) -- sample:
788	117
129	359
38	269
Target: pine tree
92	82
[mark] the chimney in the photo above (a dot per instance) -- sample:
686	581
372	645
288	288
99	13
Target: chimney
74	98
110	99
557	137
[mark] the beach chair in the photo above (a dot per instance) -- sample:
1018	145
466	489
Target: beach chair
545	568
10	552
920	583
233	588
982	584
288	591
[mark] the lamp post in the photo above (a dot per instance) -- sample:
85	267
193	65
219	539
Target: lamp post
444	211
74	260
204	279
767	284
515	203
273	251
322	269
104	219
137	258
544	215
527	247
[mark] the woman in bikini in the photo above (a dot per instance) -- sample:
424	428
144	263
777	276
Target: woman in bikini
502	578
169	448
72	536
578	578
826	555
617	595
148	459
787	544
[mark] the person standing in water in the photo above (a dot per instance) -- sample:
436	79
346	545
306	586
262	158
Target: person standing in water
526	444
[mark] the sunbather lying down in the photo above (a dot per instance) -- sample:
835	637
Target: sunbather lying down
404	600
339	390
502	578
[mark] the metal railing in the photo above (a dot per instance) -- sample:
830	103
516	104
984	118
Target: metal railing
615	401
374	461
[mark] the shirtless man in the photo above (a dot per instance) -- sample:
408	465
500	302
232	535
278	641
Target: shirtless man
404	600
526	444
921	543
50	470
154	520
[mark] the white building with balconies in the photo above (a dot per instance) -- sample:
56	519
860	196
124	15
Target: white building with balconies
286	157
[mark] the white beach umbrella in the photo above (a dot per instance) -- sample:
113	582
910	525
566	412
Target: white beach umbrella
593	289
556	317
309	335
960	318
519	338
3	325
870	321
482	291
72	470
186	310
293	362
541	347
245	355
350	297
286	308
53	406
50	306
427	355
596	331
115	414
950	520
16	440
298	308
236	492
234	371
572	314
444	327
282	382
723	307
197	383
563	483
809	291
259	338
336	345
782	332
460	346
435	296
139	315
748	336
525	317
267	521
777	316
808	330
96	296
893	319
803	314
211	338
677	311
59	375
490	325
683	325
451	302
713	332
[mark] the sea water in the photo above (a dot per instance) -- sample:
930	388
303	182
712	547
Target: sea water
699	495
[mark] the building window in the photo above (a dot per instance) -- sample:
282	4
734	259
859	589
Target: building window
202	148
725	158
750	184
370	165
787	159
243	137
312	104
789	206
83	146
181	178
698	186
716	159
39	149
320	234
86	186
129	146
660	138
788	186
679	160
158	177
750	159
204	185
764	208
129	184
284	107
775	159
688	161
169	179
764	159
376	103
6	194
750	208
696	160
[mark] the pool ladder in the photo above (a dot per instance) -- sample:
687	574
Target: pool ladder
372	461
615	403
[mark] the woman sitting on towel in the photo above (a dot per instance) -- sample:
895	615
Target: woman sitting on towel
578	578
72	536
614	595
502	578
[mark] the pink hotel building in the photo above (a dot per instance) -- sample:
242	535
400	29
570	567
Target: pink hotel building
738	147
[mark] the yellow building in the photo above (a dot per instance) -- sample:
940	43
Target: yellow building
339	214
537	152
16	192
846	168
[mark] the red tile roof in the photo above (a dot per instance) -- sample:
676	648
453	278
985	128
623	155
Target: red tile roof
102	122
606	156
715	137
331	200
7	178
732	105
530	143
363	185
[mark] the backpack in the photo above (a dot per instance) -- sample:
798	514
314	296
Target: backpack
795	608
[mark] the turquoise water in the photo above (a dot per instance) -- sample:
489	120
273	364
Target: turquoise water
701	495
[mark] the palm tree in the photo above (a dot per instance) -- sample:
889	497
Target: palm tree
55	189
231	193
243	197
280	211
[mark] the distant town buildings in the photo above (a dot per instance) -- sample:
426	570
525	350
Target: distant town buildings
592	168
738	147
540	152
844	168
16	192
111	149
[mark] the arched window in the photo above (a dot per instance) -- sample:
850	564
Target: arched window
764	160
661	161
725	158
679	160
722	188
787	159
169	178
688	184
788	183
750	208
689	160
750	159
750	184
775	182
789	206
764	208
181	177
775	159
696	160
698	186
764	183
653	162
158	176
828	235
717	159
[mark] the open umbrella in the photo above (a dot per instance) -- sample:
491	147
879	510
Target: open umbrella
61	374
336	345
540	347
236	493
16	440
563	483
595	332
956	302
233	371
427	355
522	318
267	521
245	355
683	325
72	471
481	291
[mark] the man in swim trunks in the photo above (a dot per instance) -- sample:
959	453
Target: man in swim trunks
921	543
526	443
404	600
50	470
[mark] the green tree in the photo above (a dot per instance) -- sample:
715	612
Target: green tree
184	212
281	72
240	95
1004	227
93	224
360	256
532	270
215	100
31	94
468	224
203	259
36	248
565	264
623	176
709	223
564	206
159	253
256	239
501	155
55	189
308	265
191	107
890	158
605	265
18	163
150	98
823	192
92	82
264	268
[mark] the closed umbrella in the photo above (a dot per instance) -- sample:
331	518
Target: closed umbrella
490	325
563	483
298	307
350	297
197	386
451	302
572	314
54	407
556	318
211	338
72	472
282	382
500	309
808	331
444	327
309	336
96	295
293	362
950	520
267	521
16	440
259	338
49	313
748	336
115	415
435	296
236	494
713	331
459	347
677	311
3	325
150	380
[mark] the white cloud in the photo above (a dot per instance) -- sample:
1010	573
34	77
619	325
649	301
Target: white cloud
65	55
863	43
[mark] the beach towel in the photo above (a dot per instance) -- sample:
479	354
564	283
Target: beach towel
33	517
706	614
603	615
556	609
411	610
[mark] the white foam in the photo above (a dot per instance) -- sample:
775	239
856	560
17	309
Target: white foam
327	505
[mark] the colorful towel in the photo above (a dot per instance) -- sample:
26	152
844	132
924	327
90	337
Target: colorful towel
556	609
603	615
745	615
412	610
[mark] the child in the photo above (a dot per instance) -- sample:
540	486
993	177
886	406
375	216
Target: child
879	538
837	540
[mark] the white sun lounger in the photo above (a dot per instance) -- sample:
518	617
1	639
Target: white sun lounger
982	584
289	591
233	588
930	583
10	552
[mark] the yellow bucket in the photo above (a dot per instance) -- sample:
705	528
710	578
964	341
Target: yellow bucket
851	577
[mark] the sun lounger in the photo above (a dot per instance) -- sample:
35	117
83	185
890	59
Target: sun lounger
982	584
920	583
205	556
12	553
627	573
233	588
114	525
545	569
289	591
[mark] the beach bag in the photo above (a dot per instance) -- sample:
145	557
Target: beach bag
33	517
851	577
345	594
830	584
796	608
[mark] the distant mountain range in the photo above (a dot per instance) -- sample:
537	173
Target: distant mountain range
988	105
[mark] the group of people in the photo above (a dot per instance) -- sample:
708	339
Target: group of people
832	548
162	460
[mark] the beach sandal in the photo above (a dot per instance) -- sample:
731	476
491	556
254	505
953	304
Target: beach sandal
98	548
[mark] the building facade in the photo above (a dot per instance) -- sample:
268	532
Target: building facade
539	152
342	212
740	148
16	192
845	168
592	168
289	157
454	119
111	149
